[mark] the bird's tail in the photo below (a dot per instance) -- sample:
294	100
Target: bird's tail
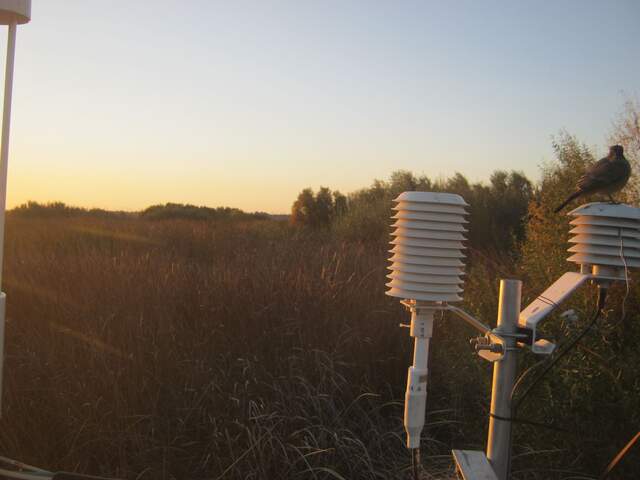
569	199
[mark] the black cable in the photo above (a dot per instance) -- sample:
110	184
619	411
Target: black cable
602	296
415	463
524	374
550	363
533	423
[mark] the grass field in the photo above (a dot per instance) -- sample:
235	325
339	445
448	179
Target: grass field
193	349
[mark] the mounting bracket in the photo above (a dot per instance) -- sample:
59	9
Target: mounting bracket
546	303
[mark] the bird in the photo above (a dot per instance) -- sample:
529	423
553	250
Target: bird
608	175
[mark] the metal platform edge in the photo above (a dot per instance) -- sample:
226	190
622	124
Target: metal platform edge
473	465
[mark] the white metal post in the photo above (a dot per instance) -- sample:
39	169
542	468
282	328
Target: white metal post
415	400
4	159
6	128
504	374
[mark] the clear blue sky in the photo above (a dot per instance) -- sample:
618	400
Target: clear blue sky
122	104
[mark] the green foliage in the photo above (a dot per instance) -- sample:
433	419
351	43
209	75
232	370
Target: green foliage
367	210
545	251
339	203
51	209
497	210
33	209
256	350
323	207
317	210
627	133
594	391
171	211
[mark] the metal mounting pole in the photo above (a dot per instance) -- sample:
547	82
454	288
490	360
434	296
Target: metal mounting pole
4	158
415	399
6	127
504	374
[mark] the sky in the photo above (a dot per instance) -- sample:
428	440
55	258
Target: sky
125	104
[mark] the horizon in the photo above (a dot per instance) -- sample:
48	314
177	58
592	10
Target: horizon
291	239
244	105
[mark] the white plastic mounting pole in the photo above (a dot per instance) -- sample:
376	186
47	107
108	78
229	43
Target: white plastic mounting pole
12	13
504	375
415	400
3	306
6	128
4	158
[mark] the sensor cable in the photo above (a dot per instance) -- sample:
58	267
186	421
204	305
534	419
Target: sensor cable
415	463
602	295
626	276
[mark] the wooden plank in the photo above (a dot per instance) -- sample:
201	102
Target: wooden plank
473	465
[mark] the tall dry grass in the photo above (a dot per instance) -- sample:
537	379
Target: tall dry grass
191	349
186	349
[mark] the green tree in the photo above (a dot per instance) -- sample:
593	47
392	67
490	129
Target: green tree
497	210
302	209
545	250
315	209
600	371
509	194
339	204
627	133
323	208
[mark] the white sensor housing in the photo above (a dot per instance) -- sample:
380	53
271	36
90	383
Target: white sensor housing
15	11
427	261
606	239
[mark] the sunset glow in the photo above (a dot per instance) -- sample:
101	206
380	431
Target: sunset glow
246	103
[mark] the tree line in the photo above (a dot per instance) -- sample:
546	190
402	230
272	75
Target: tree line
168	211
501	211
497	209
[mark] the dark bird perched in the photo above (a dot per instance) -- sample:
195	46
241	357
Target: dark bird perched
608	175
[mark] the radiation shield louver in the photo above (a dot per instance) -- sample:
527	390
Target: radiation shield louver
427	249
15	11
426	272
605	243
606	239
427	269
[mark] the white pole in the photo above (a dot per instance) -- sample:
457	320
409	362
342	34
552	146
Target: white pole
504	374
4	159
415	399
6	127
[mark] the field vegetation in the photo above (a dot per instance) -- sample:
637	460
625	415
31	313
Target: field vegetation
183	343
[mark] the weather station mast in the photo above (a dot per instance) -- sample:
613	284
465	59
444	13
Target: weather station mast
12	14
427	274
